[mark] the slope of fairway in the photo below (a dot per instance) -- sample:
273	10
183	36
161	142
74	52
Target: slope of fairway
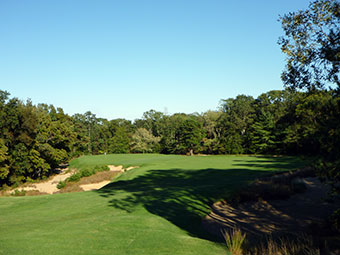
154	209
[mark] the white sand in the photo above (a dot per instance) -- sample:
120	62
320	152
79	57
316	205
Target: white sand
94	186
49	186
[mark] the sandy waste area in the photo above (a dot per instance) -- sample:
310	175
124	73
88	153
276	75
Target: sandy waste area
50	186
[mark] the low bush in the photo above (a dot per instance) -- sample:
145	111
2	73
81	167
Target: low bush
101	168
86	172
74	177
61	184
18	193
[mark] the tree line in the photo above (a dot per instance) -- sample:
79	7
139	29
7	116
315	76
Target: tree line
303	119
35	139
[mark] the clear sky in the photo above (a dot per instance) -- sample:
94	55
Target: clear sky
120	58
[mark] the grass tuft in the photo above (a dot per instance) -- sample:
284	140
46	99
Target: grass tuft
302	246
234	241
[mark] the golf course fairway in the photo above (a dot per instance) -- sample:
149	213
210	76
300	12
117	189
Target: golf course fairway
153	209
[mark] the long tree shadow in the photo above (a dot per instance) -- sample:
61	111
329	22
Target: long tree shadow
280	163
182	197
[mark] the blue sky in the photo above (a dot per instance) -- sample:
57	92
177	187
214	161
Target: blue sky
119	59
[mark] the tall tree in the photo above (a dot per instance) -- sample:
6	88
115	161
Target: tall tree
90	120
211	141
235	121
189	136
312	46
143	141
119	143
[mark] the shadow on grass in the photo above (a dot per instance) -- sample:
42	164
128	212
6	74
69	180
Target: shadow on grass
182	197
265	162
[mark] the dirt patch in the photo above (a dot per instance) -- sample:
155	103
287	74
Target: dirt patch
292	216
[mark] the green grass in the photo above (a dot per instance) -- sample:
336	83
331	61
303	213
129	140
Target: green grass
154	209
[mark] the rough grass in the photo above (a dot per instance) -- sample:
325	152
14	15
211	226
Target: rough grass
154	209
303	245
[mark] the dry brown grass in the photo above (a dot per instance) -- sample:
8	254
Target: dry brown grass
234	241
98	177
4	193
236	244
70	187
302	246
35	193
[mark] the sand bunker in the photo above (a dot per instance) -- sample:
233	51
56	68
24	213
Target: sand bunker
94	186
49	186
116	168
120	168
275	217
99	185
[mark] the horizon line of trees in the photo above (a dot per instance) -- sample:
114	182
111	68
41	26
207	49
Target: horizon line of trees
36	139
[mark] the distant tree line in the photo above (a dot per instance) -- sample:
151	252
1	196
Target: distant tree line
303	119
35	139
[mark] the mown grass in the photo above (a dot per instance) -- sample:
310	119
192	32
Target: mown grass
154	209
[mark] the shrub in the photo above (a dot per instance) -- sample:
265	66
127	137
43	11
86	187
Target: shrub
101	168
335	220
18	193
74	177
61	184
86	172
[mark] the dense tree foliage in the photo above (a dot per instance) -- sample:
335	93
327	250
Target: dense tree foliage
312	45
144	141
34	140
